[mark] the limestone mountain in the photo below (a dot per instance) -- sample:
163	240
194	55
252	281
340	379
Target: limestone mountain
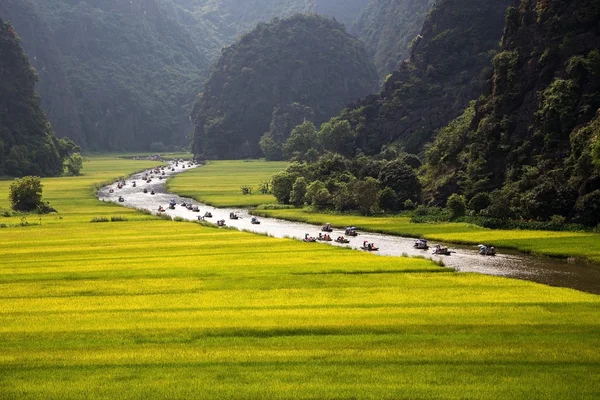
388	27
305	59
27	144
533	139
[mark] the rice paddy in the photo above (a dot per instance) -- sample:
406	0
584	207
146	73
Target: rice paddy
219	182
147	308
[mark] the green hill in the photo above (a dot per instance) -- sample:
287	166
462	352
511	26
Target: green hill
534	135
305	62
27	144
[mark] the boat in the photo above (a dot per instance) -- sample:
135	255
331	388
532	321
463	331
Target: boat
369	247
309	239
421	244
221	222
441	250
184	204
487	250
255	221
351	231
195	209
121	199
324	238
341	239
233	215
161	209
327	228
111	190
189	207
145	190
152	192
134	184
207	215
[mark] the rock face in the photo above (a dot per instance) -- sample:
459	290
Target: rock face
302	62
388	27
27	144
534	136
448	67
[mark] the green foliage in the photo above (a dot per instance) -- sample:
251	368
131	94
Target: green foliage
27	143
267	80
388	199
270	148
74	164
338	137
298	193
25	194
302	138
367	195
457	204
588	207
401	178
282	184
479	202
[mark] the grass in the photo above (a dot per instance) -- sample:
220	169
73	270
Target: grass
219	182
149	308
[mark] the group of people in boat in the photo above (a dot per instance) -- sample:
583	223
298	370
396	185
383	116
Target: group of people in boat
487	250
368	246
325	237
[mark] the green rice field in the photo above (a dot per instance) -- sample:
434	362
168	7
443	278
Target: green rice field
219	182
156	309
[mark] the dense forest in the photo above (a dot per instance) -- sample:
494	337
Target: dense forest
27	144
388	28
530	146
306	65
448	67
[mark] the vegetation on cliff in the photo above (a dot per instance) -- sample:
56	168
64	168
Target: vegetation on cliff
306	65
27	144
532	140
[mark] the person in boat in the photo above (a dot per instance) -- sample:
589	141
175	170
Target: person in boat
320	235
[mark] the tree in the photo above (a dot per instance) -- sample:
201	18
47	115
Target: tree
302	138
74	164
298	194
270	148
337	136
317	194
402	179
367	195
388	199
282	184
479	202
457	204
25	194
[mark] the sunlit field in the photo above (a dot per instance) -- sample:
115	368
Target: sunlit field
156	309
219	183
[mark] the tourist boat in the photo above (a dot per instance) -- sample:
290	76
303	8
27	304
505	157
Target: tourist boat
207	215
487	250
221	222
421	244
309	239
233	215
255	221
327	228
341	239
441	250
369	247
351	231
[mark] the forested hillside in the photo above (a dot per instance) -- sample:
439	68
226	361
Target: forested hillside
533	140
448	67
118	74
388	27
305	63
27	144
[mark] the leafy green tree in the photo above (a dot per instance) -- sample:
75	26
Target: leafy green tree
457	204
338	136
25	194
588	208
302	138
479	202
298	194
317	194
282	184
400	177
270	148
367	195
388	199
74	164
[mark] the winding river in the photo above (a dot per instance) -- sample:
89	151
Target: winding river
576	274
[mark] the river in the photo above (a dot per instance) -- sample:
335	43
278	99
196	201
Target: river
576	274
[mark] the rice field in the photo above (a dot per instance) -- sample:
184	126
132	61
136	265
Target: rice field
156	309
219	182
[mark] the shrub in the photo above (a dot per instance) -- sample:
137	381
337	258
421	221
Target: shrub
25	194
99	219
117	218
457	204
479	202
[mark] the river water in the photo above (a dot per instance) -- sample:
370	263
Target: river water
576	274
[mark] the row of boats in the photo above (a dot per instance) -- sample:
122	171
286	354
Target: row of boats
484	250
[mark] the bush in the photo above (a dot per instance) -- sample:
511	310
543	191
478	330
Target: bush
479	202
25	194
74	164
409	205
588	208
99	219
388	200
457	204
117	218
